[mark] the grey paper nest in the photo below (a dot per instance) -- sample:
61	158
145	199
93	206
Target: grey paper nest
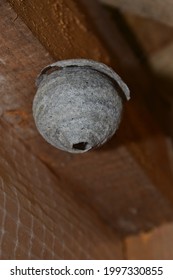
78	104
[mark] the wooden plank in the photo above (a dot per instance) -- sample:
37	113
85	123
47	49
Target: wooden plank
130	178
62	28
153	245
38	219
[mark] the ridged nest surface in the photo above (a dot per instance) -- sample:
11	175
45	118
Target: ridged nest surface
78	104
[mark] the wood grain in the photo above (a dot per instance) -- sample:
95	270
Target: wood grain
62	27
120	186
130	177
38	219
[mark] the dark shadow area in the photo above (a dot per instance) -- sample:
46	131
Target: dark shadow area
158	97
82	146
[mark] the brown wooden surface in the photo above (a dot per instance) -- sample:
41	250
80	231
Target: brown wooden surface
154	245
62	28
159	10
152	42
39	218
125	182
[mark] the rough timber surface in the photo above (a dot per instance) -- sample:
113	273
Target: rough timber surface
125	182
39	218
153	245
62	28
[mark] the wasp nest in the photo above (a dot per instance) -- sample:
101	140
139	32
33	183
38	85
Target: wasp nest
78	104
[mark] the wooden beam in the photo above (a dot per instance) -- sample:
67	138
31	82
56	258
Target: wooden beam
38	219
62	27
130	178
153	245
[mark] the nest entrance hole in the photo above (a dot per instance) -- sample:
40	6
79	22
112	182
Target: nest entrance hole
82	146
